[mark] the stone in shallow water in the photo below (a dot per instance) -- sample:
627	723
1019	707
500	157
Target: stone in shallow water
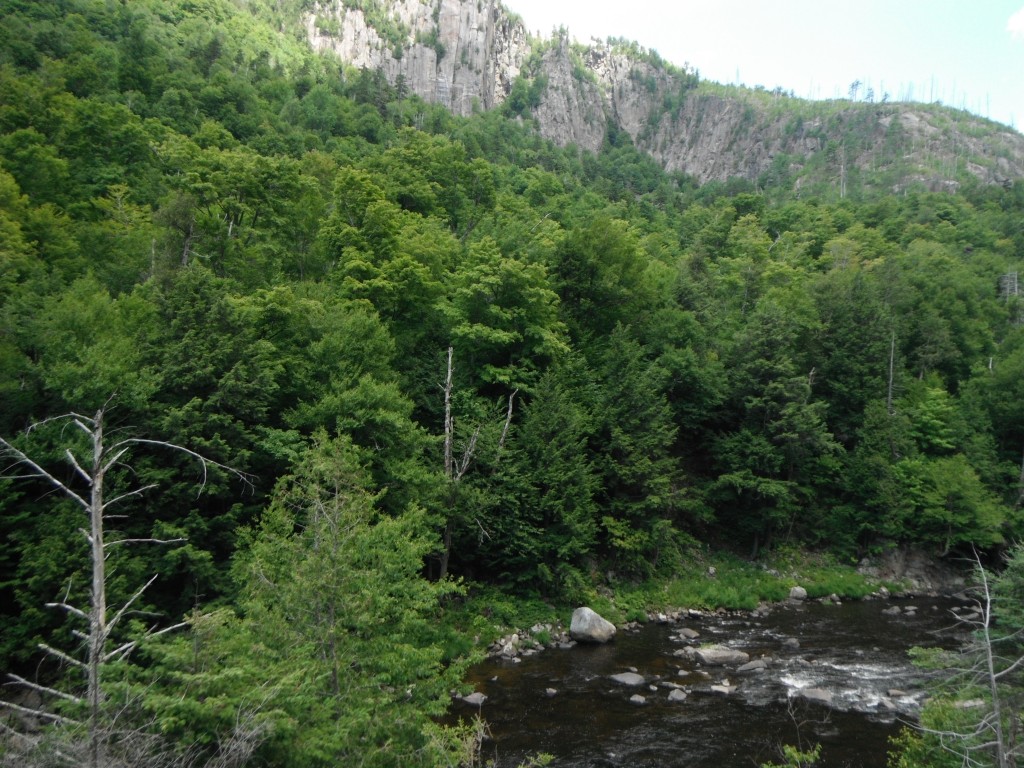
815	695
628	678
717	655
753	666
798	593
637	699
676	695
475	699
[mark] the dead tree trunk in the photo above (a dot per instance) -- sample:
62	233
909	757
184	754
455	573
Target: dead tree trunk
991	737
455	469
102	458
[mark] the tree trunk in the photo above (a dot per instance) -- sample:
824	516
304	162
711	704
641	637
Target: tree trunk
98	613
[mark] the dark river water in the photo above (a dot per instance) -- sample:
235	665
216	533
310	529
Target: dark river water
854	652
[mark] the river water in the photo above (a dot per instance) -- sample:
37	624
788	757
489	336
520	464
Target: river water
564	702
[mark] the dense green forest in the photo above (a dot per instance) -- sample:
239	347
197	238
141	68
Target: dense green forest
435	353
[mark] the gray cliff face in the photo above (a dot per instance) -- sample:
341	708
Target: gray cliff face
572	110
483	49
467	54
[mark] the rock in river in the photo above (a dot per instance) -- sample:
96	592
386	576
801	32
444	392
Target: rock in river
719	655
816	695
628	678
588	627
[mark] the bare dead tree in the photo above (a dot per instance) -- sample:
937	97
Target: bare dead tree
991	740
93	469
455	469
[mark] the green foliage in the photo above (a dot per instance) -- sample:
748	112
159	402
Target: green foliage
248	245
349	663
797	757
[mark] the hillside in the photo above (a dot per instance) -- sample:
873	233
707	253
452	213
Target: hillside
468	55
308	383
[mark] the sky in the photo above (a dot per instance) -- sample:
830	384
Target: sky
967	54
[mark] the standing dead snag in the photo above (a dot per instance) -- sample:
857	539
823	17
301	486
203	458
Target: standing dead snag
454	470
991	662
93	470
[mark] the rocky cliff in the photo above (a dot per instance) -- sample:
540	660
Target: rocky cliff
468	54
464	54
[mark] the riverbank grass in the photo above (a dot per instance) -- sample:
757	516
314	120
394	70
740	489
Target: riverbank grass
707	582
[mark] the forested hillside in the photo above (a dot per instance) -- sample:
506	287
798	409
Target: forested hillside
438	348
473	55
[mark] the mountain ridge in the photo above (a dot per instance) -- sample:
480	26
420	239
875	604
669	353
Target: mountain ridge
471	55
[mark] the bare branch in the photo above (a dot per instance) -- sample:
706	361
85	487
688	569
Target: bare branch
44	689
130	646
1014	666
69	416
112	462
70	609
63	656
143	541
508	421
21	458
38	713
74	463
467	457
88	430
131	600
204	461
129	494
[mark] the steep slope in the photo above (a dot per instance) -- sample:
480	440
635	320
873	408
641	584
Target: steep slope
463	54
468	54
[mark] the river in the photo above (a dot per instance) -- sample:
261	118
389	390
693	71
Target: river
564	702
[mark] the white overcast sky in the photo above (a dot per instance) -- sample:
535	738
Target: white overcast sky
965	53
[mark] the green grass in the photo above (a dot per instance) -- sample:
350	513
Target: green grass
486	612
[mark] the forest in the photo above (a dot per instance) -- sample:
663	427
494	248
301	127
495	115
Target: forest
342	359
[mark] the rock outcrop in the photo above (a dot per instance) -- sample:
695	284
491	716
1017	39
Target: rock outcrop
467	54
462	54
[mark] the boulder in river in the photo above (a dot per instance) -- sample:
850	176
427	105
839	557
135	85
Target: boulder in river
754	666
628	678
589	627
815	695
676	694
798	593
475	699
719	655
637	699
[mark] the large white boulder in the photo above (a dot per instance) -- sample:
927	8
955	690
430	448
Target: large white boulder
589	627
